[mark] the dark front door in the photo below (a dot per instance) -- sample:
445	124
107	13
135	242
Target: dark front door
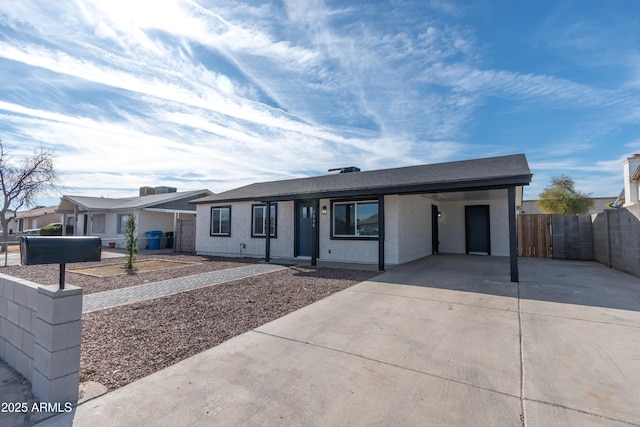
476	220
304	229
435	239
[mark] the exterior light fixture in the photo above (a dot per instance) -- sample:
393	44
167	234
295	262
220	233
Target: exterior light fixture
324	210
439	214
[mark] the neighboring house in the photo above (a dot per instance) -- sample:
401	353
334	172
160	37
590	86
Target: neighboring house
630	194
599	205
107	217
37	217
388	216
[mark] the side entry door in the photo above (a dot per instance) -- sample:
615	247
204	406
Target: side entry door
478	231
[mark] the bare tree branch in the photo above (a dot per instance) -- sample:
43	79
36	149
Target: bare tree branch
22	182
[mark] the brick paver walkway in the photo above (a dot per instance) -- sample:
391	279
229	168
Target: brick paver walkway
107	299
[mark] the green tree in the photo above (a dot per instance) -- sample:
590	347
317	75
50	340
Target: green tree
130	242
561	197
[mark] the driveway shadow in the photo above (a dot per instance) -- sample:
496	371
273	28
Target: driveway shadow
465	273
586	283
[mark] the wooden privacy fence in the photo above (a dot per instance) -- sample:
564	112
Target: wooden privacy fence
534	235
555	236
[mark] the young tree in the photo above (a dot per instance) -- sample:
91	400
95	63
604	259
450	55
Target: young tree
130	242
21	182
562	198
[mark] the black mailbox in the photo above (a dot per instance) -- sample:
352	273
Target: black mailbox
59	250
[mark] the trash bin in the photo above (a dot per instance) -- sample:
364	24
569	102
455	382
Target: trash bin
153	239
169	239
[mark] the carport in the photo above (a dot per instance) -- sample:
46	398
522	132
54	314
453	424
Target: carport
384	217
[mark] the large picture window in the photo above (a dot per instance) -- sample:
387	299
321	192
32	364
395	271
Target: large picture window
259	220
221	221
355	219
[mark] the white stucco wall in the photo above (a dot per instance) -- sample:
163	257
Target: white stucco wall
499	215
110	229
352	250
391	232
408	231
414	227
149	221
110	225
452	226
281	245
153	221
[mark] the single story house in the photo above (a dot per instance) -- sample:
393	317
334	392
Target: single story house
37	217
388	216
107	217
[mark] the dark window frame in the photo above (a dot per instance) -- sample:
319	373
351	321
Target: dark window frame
355	202
274	216
219	233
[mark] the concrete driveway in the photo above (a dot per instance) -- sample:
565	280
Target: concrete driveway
444	341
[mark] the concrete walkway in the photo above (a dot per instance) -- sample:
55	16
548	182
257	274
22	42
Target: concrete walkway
107	299
445	341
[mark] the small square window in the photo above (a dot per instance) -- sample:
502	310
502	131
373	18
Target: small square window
220	221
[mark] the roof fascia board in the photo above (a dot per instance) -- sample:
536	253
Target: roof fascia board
120	208
169	210
179	196
486	184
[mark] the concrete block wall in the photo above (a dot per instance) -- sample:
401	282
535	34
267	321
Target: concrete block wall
18	318
40	335
572	237
185	237
601	241
617	239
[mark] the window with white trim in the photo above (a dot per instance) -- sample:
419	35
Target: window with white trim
259	220
122	223
355	219
220	221
98	222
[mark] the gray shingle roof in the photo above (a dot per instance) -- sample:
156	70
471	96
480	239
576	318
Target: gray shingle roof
493	172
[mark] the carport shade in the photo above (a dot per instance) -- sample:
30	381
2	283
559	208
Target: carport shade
503	172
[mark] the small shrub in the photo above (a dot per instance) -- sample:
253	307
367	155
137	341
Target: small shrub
51	230
130	242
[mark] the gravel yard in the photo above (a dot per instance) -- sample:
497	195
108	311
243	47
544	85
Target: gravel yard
123	344
49	274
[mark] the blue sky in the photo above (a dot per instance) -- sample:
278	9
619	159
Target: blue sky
210	94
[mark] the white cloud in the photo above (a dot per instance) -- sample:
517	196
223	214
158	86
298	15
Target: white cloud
240	92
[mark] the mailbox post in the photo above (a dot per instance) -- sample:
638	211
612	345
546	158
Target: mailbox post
61	250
